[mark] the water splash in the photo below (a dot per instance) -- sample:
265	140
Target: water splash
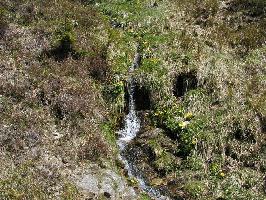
132	122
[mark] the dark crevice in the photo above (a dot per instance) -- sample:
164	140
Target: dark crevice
126	99
64	49
142	98
58	112
116	24
185	82
42	99
243	134
170	134
229	152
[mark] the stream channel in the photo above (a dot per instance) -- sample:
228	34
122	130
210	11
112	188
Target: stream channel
128	133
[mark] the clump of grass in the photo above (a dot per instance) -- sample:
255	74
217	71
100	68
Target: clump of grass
93	149
210	16
26	182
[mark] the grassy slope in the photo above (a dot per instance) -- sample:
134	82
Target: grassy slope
223	43
51	102
51	108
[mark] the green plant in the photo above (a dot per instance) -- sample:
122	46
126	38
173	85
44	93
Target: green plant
192	134
195	188
194	162
215	168
168	116
166	162
109	134
144	196
115	92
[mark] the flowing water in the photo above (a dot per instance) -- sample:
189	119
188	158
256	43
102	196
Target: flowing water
127	134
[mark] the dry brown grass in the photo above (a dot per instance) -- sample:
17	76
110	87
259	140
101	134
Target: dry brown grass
51	110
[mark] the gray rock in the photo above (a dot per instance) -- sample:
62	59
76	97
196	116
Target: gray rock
96	182
89	183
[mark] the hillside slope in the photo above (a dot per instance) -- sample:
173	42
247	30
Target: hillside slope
200	94
56	135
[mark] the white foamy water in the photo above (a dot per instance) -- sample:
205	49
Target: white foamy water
132	122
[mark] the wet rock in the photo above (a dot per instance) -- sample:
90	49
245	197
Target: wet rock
137	60
138	57
148	153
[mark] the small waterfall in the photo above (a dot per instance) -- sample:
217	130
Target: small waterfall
132	122
127	134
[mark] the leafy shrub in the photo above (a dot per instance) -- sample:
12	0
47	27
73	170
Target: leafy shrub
115	91
192	134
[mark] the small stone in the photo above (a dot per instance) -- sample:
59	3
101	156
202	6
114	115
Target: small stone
107	195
